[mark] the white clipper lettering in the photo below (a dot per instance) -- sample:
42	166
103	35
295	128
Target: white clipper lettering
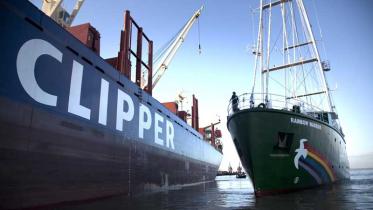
143	110
104	94
157	129
121	115
26	59
75	92
170	134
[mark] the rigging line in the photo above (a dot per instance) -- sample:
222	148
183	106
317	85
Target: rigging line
295	41
320	30
304	79
305	31
303	82
321	105
300	72
284	46
293	31
258	46
299	51
275	43
316	82
288	53
279	33
278	37
280	84
252	23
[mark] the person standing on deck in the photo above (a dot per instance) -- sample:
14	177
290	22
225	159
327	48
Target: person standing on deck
234	101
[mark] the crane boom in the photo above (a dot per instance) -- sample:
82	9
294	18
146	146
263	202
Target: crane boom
75	11
54	9
50	7
166	59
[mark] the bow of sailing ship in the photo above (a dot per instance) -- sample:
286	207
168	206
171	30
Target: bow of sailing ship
286	131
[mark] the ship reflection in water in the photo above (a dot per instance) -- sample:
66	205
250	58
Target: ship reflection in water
227	192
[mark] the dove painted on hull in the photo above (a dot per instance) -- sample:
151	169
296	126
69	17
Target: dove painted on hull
301	152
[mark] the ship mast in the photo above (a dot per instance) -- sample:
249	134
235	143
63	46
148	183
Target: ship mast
257	53
299	52
325	83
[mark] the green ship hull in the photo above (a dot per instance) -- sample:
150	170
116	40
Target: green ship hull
284	151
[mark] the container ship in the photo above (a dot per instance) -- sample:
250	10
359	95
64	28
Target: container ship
286	130
75	127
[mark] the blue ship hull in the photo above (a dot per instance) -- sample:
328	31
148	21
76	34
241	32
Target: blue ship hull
73	128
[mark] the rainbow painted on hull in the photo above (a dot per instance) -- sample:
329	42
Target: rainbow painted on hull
317	166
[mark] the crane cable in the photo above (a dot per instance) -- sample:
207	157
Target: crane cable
162	50
199	38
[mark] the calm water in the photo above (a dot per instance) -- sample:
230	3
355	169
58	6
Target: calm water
227	192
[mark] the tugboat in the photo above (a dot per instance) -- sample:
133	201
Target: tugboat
286	130
240	174
76	127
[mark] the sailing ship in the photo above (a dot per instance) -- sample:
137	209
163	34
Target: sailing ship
76	127
286	130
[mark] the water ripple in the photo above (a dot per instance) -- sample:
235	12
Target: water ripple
227	192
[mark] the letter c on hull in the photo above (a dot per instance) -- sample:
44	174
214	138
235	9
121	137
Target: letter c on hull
26	60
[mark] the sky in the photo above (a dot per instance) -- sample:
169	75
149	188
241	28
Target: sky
226	65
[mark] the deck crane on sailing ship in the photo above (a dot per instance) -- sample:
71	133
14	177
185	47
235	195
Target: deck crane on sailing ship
171	51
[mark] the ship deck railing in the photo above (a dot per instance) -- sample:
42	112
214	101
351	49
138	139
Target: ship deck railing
280	102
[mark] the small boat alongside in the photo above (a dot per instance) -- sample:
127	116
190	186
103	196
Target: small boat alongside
240	175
